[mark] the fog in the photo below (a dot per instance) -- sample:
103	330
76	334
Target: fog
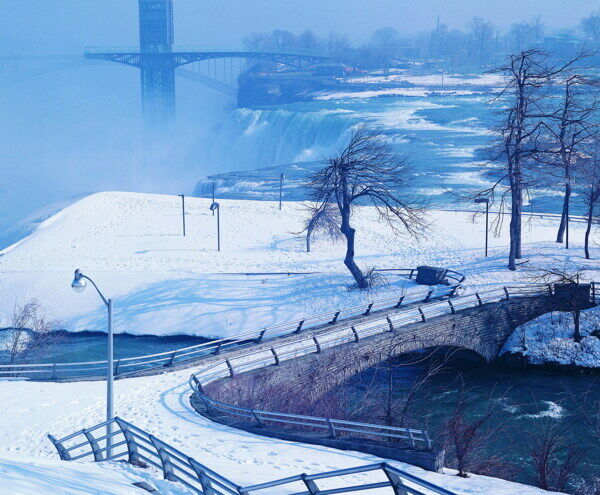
68	132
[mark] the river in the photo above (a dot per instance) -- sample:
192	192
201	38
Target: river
525	401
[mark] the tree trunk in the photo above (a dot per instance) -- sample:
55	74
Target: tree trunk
588	230
515	228
563	220
576	325
349	233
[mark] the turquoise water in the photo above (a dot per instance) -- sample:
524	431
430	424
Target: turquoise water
441	136
525	400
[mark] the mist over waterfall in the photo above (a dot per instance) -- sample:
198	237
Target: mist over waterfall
259	138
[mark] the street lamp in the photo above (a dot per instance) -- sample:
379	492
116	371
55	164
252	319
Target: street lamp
281	177
215	206
487	214
79	284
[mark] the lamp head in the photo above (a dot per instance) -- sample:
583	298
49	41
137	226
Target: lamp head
79	283
214	206
481	200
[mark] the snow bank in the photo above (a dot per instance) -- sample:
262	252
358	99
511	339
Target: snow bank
163	283
31	476
549	340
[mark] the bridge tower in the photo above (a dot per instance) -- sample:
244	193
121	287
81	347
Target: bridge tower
156	67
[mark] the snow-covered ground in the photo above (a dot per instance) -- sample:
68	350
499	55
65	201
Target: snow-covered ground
33	476
160	404
549	340
164	283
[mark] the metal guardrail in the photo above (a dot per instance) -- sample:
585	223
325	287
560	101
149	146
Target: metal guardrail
144	449
129	366
263	357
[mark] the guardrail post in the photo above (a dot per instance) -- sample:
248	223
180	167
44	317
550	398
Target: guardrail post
117	364
422	314
550	289
506	292
299	328
260	336
53	371
331	429
356	336
390	323
395	480
198	383
218	349
412	270
593	291
207	488
335	318
311	486
275	356
478	298
229	365
169	363
317	345
131	444
62	452
429	294
411	437
399	303
453	291
368	311
94	445
452	310
259	422
165	461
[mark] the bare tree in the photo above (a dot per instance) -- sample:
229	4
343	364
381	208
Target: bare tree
570	129
365	171
591	27
516	149
554	457
30	330
565	276
467	437
589	188
323	219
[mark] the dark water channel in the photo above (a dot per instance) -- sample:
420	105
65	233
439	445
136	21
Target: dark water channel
525	400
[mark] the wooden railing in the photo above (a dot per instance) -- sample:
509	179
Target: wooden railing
144	449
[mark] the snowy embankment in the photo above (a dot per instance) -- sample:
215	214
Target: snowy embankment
160	405
548	340
163	283
29	476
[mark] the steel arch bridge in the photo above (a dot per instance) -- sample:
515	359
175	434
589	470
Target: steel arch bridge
134	57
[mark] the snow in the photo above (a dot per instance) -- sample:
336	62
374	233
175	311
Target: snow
31	476
163	283
433	79
549	340
160	405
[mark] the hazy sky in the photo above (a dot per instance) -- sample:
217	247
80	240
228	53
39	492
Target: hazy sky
60	26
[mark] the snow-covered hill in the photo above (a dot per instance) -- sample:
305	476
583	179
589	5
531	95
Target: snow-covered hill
164	283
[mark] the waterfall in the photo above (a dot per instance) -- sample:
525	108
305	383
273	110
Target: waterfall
251	139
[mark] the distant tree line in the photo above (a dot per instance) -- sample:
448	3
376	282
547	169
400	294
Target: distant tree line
480	43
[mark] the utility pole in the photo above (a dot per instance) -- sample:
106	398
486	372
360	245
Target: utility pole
487	215
183	211
213	197
281	177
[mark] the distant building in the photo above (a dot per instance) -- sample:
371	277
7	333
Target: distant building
560	45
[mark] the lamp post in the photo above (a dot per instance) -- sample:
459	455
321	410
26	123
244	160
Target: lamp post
79	284
213	196
183	212
487	214
281	177
215	206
